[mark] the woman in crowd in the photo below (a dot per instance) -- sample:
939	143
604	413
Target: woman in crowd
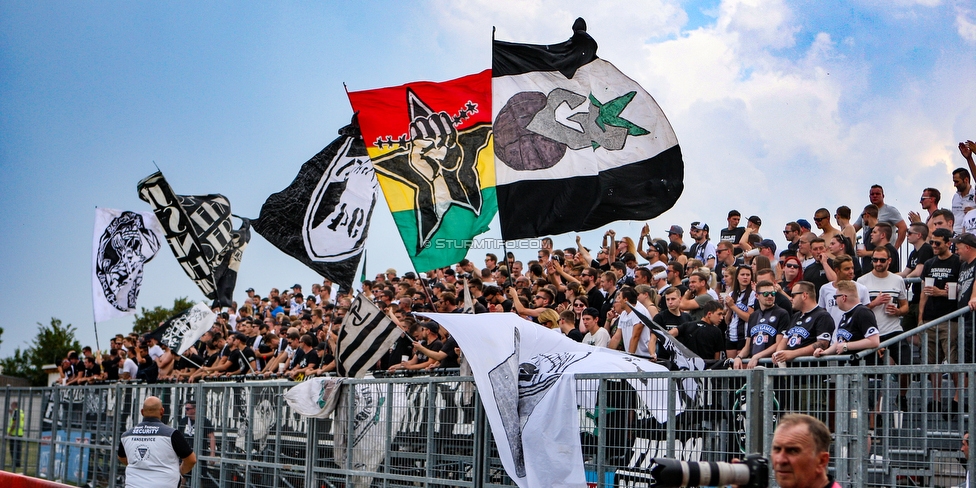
739	304
840	245
792	274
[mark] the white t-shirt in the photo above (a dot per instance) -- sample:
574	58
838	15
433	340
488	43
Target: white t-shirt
626	324
600	339
893	285
155	352
959	204
967	224
129	366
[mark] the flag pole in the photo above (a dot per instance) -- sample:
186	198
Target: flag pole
97	347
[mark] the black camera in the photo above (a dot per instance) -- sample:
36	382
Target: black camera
752	472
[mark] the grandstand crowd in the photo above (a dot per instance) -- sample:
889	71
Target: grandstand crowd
731	297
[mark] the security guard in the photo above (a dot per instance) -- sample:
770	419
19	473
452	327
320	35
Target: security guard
153	451
15	429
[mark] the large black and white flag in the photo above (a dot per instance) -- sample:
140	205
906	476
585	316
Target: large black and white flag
366	335
578	144
679	354
201	235
526	378
322	218
123	242
182	330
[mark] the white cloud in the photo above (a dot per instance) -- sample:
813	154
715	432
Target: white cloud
768	126
965	27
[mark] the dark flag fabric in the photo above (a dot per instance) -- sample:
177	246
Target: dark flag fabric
578	144
182	330
123	242
366	335
430	144
322	217
201	235
679	354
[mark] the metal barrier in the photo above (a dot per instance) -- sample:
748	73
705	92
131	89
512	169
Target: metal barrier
431	431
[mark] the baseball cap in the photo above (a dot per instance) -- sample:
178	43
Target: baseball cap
660	247
410	275
296	285
676	229
391	271
768	244
699	226
755	220
248	290
804	224
965	238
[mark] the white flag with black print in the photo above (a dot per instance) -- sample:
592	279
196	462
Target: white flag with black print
123	242
366	335
526	376
182	330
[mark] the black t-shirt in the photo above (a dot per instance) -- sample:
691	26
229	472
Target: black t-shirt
403	346
856	324
732	235
94	370
944	271
805	329
111	368
575	334
310	358
669	320
433	346
240	359
763	327
451	361
919	257
967	271
815	274
594	298
703	339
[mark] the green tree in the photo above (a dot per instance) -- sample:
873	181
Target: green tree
50	346
148	320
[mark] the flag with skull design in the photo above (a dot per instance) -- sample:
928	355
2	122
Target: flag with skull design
124	241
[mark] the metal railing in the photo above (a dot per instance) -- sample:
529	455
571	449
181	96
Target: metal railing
433	431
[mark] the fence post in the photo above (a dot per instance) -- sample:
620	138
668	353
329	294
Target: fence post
601	430
479	455
754	431
672	407
312	443
3	436
55	420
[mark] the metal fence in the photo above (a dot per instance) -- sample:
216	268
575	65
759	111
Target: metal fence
893	425
432	431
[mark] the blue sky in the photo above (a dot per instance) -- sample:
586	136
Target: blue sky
780	107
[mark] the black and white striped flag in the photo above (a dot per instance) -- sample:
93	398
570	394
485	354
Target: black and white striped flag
366	335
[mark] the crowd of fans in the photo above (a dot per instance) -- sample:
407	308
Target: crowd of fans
837	288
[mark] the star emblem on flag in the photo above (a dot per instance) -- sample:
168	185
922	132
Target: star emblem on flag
439	163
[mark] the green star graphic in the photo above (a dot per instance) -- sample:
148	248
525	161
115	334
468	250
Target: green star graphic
610	114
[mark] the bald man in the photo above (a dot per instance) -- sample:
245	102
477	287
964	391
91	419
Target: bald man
153	451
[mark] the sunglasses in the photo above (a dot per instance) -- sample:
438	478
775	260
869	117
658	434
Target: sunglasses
794	266
577	304
878	260
839	295
935	243
768	293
